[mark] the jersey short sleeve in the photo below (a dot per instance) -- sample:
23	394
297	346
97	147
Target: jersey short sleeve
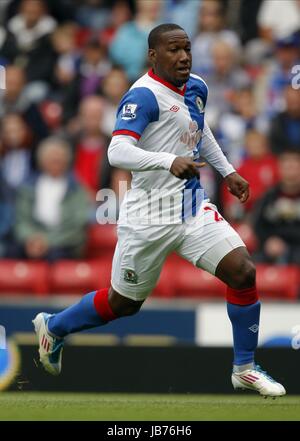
200	88
137	109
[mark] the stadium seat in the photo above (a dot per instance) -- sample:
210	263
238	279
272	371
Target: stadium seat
247	235
24	277
190	281
102	240
280	282
79	277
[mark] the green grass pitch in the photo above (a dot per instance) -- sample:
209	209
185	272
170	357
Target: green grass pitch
21	406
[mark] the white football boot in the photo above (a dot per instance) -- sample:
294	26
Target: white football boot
50	348
258	380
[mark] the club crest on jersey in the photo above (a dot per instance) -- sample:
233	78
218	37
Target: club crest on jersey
200	104
129	111
192	137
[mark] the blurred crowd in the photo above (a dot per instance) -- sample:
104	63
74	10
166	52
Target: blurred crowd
68	63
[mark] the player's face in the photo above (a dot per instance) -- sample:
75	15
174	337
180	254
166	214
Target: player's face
172	58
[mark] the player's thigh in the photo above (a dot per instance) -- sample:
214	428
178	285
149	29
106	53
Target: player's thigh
208	239
139	256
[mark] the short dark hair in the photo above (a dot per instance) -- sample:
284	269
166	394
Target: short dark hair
155	34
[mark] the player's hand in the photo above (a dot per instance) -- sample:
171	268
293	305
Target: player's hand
185	168
238	186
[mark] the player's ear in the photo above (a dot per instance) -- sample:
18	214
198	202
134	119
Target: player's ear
152	55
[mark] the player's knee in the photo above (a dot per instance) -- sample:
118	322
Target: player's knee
245	276
123	306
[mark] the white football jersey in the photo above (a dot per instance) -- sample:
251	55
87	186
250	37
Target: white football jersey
163	118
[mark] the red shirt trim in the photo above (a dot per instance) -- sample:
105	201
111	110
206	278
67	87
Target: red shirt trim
126	132
165	83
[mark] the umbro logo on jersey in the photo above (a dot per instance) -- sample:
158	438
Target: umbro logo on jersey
174	108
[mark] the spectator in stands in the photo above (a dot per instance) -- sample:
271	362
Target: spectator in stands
60	10
259	168
90	157
233	125
227	76
52	210
122	11
182	12
277	74
67	58
134	35
8	47
114	86
6	218
93	14
94	67
91	166
16	151
278	19
285	127
15	99
31	28
277	220
211	29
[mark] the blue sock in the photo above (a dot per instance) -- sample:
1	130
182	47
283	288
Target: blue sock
78	317
245	322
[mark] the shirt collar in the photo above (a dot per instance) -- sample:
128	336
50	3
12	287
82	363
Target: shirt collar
166	83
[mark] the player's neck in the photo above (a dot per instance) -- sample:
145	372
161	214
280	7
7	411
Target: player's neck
167	80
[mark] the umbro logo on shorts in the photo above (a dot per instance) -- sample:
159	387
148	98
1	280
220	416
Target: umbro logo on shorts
254	328
174	108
